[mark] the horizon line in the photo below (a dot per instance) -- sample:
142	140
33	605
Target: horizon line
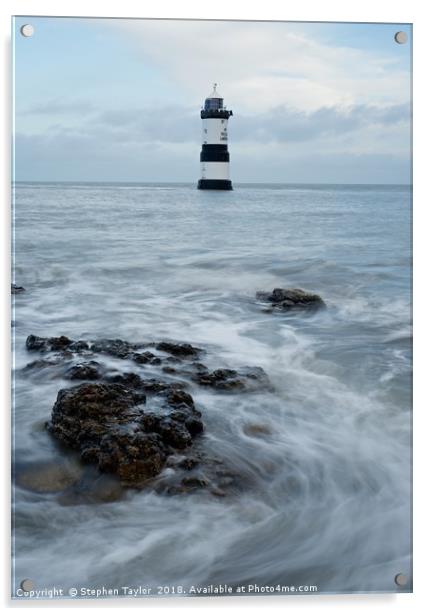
192	182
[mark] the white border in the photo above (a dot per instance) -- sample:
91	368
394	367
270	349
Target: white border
415	11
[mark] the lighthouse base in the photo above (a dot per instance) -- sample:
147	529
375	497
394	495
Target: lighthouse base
215	185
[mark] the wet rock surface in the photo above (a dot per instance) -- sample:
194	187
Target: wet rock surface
15	289
136	430
179	350
115	427
48	475
291	299
85	371
243	379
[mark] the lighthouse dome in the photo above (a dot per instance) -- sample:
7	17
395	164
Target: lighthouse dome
214	101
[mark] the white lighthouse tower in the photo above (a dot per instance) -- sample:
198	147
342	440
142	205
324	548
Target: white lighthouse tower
214	153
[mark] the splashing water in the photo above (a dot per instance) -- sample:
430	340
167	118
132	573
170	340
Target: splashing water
325	456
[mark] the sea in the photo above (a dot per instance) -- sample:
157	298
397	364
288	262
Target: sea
327	503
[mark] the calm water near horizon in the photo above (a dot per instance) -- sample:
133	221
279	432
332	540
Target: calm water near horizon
330	502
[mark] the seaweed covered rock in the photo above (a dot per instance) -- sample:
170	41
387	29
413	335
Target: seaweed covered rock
111	425
291	299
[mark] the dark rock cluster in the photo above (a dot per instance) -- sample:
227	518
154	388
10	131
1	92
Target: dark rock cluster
291	299
132	426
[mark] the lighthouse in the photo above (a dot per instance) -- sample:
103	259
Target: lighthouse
214	153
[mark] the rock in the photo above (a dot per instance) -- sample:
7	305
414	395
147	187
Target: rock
179	349
40	364
129	379
188	463
134	457
244	379
112	426
86	371
220	379
218	492
47	475
79	346
146	358
255	429
116	348
288	299
139	428
35	343
178	398
93	487
194	425
189	473
15	289
197	481
121	349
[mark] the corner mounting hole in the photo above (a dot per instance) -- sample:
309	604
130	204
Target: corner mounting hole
27	30
27	585
400	37
400	579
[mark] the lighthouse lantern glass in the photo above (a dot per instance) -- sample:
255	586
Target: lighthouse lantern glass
213	104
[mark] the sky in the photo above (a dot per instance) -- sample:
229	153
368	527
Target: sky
120	99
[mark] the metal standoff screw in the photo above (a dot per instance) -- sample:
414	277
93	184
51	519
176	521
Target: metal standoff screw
27	585
27	30
400	37
400	579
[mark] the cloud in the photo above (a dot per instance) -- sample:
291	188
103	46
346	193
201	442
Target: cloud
60	107
262	65
177	124
291	125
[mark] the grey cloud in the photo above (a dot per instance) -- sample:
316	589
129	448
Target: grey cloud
163	144
54	107
85	158
281	124
172	124
286	125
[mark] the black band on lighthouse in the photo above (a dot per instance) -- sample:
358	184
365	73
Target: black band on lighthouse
215	184
214	153
214	147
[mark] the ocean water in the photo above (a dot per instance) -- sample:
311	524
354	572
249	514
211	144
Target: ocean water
329	502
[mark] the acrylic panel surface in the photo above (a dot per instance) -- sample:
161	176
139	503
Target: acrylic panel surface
179	427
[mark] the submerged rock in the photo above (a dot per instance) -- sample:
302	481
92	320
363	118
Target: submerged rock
15	289
289	299
40	364
93	487
47	475
111	426
243	379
